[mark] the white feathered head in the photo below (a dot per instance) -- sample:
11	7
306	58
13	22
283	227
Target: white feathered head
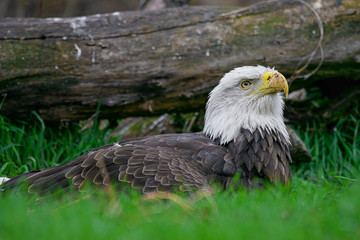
247	97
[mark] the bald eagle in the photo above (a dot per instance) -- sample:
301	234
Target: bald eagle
244	133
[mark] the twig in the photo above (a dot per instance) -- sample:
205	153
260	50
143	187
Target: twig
312	54
89	122
156	123
190	122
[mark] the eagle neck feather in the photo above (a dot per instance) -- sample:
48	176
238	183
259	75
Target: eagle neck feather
224	119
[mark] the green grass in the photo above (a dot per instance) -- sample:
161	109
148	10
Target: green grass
335	151
25	147
303	211
321	203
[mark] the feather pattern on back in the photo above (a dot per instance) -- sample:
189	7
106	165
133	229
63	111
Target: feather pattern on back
160	163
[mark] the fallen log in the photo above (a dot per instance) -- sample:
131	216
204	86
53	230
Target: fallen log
143	63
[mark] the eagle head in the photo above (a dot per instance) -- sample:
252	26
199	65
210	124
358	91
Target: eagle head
247	97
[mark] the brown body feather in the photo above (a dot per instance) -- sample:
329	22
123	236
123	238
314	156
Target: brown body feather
170	162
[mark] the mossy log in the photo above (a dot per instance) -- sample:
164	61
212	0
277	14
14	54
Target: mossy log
143	63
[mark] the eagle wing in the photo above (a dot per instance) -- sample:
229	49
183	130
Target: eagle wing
161	163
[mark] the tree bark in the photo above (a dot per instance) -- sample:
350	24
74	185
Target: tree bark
143	63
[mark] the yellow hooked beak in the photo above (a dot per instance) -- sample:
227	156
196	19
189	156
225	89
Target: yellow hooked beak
274	82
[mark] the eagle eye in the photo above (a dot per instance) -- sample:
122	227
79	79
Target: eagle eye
245	84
